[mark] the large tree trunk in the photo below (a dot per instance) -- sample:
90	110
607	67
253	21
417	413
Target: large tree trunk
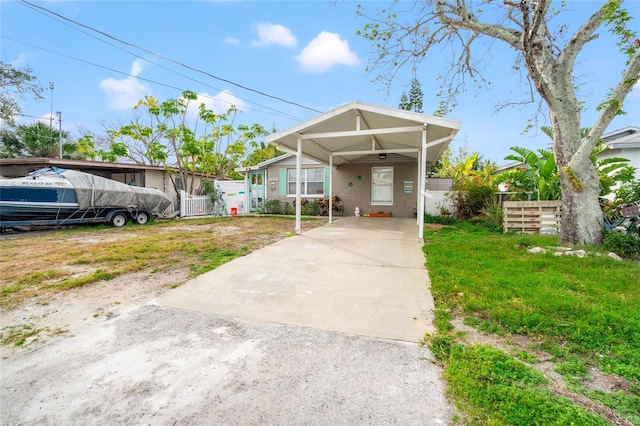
581	213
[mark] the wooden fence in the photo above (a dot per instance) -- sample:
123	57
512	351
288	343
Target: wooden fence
532	216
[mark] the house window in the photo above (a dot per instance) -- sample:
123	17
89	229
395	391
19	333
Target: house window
179	184
382	186
311	182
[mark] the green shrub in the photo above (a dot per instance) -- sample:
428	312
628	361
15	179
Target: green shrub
336	206
273	207
470	201
629	191
625	246
491	215
288	209
310	208
439	219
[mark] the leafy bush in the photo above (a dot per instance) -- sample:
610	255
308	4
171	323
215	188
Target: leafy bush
491	215
470	201
629	191
210	190
310	208
288	209
336	206
439	219
273	207
625	246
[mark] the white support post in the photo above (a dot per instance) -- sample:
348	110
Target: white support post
423	178
298	186
417	187
331	188
183	203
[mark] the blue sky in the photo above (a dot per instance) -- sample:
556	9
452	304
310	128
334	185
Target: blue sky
305	52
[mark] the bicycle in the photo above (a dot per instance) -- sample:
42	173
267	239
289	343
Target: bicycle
624	219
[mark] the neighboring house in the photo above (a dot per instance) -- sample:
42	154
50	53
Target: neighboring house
623	143
372	157
135	174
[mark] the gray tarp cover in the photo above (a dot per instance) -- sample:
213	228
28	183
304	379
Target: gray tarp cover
96	191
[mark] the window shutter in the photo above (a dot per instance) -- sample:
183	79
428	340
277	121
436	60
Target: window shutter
283	181
327	177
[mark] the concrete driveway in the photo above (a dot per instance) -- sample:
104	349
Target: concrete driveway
358	275
318	329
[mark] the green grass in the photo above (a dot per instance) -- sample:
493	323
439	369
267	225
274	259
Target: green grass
42	264
584	313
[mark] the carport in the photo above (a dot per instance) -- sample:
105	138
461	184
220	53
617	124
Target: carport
358	133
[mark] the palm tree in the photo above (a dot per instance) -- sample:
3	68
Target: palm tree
39	140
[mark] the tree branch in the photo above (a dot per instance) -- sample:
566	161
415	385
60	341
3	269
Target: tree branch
582	36
613	106
457	18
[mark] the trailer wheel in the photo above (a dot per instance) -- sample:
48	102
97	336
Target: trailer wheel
118	220
142	218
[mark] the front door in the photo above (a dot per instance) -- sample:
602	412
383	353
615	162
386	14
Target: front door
256	190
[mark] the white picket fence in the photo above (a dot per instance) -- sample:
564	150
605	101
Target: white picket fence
233	195
194	205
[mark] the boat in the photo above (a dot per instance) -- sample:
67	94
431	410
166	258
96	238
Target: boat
55	196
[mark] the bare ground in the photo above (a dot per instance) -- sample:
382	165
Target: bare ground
48	316
105	353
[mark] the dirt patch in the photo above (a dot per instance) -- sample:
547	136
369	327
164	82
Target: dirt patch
44	314
61	315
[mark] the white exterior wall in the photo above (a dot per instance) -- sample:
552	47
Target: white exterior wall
632	154
438	199
233	195
155	179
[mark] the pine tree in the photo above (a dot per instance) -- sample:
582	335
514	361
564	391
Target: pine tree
404	102
415	96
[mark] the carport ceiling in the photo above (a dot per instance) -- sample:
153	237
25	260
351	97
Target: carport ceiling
358	132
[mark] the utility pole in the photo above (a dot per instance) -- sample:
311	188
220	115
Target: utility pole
59	115
51	116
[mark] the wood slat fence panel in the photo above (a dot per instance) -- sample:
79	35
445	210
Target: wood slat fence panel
532	217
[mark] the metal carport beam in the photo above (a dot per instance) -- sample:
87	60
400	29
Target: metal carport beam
439	141
366	132
377	151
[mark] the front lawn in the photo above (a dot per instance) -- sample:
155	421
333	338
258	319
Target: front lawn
568	330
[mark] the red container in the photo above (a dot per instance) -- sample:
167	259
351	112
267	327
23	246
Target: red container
234	211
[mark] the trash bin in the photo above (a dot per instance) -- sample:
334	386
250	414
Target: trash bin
234	211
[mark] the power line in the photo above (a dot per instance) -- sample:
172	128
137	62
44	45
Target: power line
168	59
279	113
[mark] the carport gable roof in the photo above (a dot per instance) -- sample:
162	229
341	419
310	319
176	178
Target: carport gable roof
356	131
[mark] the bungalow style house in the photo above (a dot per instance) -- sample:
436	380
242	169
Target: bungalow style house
374	158
274	179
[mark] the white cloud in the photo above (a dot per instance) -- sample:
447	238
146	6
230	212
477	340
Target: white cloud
325	51
124	94
20	61
231	40
277	34
219	103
